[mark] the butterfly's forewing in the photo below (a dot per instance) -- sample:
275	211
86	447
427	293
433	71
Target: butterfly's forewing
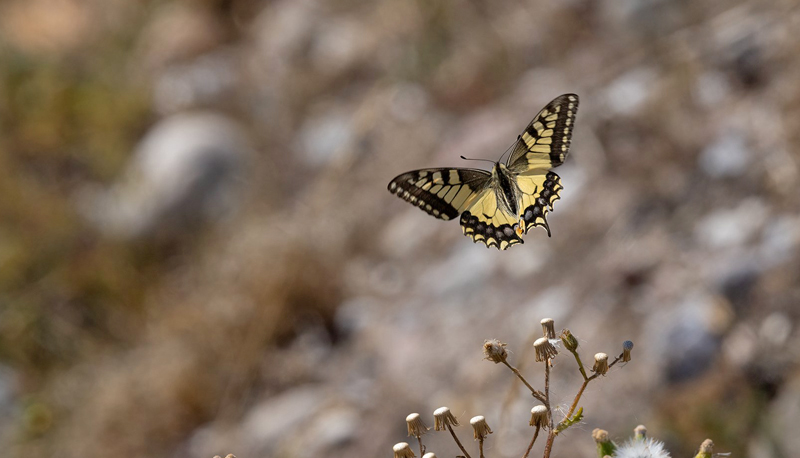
443	193
544	144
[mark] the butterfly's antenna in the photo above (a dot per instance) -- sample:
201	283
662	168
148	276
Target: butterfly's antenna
508	149
469	159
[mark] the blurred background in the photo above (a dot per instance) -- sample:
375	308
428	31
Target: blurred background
198	254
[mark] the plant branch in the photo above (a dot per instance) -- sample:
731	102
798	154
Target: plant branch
536	393
548	447
450	428
535	435
421	447
480	446
580	364
586	381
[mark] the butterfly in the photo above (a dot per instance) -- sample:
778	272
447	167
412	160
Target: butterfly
497	207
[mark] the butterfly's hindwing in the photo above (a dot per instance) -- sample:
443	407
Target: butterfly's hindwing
487	222
443	193
545	142
539	194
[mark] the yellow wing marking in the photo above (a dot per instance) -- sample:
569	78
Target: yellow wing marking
443	193
484	221
539	193
545	142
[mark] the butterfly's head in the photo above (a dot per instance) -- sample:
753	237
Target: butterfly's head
500	169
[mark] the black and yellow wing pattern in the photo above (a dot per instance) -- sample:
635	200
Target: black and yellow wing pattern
497	208
443	193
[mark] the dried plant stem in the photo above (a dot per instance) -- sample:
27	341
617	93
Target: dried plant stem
551	434
580	364
530	446
421	447
450	428
536	394
480	446
586	381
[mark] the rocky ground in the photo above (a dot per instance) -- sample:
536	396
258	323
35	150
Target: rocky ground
198	254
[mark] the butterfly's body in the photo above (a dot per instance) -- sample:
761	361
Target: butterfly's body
506	189
497	207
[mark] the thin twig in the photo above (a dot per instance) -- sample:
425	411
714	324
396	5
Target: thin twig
536	394
480	446
421	447
551	431
535	435
585	382
580	364
458	441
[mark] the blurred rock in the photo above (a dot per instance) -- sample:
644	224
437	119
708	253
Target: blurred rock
272	422
785	416
727	156
780	240
691	341
338	45
329	431
207	80
178	31
711	89
409	102
627	94
323	136
187	169
730	228
776	329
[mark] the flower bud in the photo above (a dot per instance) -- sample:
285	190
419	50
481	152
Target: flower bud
570	342
640	432
605	447
705	449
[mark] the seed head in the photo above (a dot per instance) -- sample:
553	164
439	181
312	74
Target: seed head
416	427
600	364
495	351
539	416
544	349
429	455
442	418
403	450
480	427
627	346
570	342
548	327
642	448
